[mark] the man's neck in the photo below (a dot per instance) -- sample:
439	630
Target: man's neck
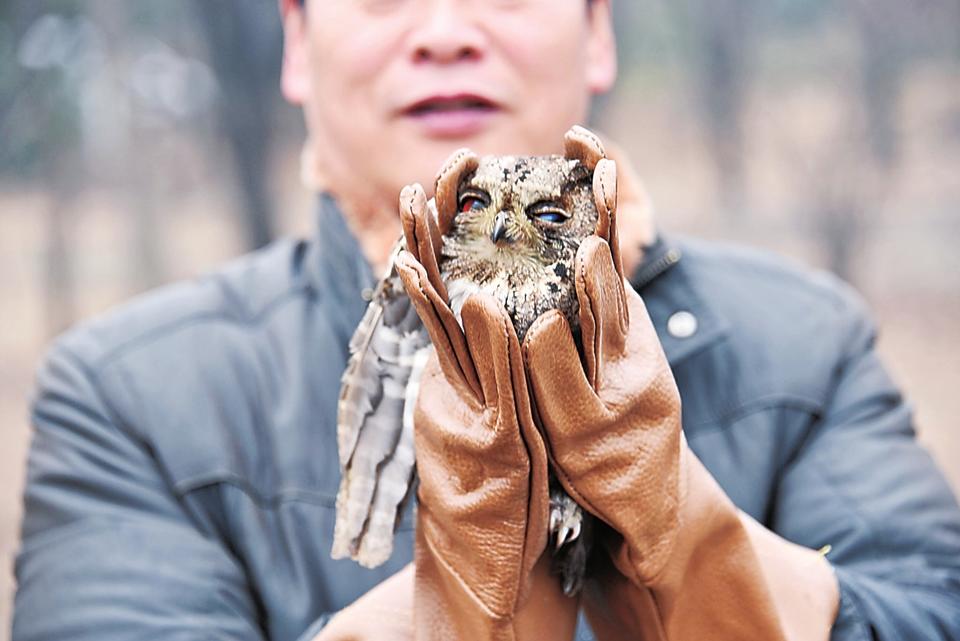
376	226
372	217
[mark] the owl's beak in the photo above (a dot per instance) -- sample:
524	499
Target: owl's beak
500	229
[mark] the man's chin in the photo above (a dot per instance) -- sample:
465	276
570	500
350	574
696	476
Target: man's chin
454	125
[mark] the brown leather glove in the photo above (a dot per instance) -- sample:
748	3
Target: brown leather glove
682	563
481	572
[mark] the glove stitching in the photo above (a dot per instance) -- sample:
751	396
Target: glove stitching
454	163
594	377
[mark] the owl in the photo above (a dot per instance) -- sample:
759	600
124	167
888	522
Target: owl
513	225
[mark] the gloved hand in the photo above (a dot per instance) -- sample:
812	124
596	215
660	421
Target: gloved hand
682	563
481	572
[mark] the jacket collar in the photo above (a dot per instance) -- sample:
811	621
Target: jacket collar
675	304
337	270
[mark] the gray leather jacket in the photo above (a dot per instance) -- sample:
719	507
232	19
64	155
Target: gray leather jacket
183	467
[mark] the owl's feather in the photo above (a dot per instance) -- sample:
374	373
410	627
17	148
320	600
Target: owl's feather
530	268
375	423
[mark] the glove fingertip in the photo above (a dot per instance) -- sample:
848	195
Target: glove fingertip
480	306
491	339
410	270
542	325
413	200
411	196
592	246
594	268
548	341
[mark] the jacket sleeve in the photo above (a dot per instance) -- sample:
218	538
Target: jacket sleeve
863	485
108	552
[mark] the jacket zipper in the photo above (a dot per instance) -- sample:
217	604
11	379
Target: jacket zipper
650	272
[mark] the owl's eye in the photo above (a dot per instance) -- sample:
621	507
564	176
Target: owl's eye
472	201
548	211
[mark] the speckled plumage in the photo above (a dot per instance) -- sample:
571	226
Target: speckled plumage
530	270
518	223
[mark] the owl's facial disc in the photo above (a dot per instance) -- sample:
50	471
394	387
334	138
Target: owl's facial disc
517	214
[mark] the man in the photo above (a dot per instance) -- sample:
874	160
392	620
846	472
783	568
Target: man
183	467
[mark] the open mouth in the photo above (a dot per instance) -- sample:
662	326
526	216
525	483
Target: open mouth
453	117
448	104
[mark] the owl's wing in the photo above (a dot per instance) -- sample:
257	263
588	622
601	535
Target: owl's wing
375	423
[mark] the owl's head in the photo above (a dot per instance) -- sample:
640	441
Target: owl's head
521	208
510	226
524	207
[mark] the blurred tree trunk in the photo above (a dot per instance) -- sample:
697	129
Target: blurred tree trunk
840	217
58	171
724	34
59	289
860	166
135	180
837	192
244	43
142	192
880	26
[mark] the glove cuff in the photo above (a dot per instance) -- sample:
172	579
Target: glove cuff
711	586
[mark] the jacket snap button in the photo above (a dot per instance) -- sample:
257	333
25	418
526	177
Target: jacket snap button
682	325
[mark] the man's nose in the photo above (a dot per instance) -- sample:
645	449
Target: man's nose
446	33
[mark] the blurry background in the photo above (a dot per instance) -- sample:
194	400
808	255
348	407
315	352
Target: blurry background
143	142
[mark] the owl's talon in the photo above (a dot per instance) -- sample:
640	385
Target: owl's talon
555	517
563	535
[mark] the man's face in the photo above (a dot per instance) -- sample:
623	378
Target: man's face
391	87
